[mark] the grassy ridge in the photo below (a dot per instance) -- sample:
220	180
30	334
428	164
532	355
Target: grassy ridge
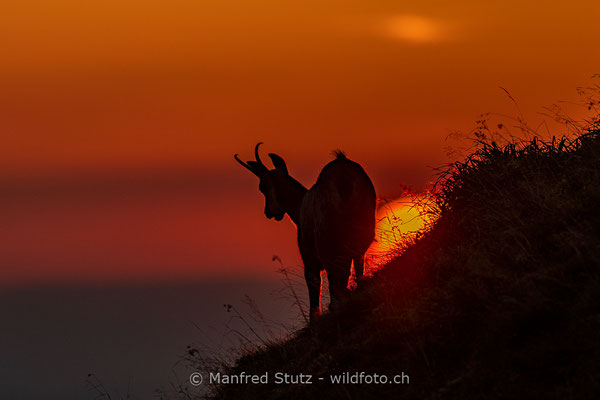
499	299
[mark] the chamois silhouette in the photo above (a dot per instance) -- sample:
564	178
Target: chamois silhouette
335	219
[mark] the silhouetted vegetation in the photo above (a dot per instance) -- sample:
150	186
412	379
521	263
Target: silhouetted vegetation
500	298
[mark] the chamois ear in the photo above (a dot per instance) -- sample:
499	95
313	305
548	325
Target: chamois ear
278	162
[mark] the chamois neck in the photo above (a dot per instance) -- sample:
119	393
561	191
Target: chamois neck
294	196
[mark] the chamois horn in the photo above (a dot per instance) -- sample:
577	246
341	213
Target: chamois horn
256	167
244	164
256	155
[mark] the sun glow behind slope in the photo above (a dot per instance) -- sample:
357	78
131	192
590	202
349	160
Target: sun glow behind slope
399	221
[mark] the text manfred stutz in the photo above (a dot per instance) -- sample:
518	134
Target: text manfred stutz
283	378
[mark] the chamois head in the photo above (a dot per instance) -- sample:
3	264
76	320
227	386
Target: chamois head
273	183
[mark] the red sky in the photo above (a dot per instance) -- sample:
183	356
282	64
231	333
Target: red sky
120	118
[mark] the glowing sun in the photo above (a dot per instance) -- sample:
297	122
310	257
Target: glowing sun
397	222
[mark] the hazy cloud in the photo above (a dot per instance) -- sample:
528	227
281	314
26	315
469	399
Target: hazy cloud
415	28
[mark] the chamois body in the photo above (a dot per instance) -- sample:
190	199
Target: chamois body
336	227
335	219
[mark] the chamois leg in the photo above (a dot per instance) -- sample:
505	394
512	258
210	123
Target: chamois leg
338	274
312	274
359	263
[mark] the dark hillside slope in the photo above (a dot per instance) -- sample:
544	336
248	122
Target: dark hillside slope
500	299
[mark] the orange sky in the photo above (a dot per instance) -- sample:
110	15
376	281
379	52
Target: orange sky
93	91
